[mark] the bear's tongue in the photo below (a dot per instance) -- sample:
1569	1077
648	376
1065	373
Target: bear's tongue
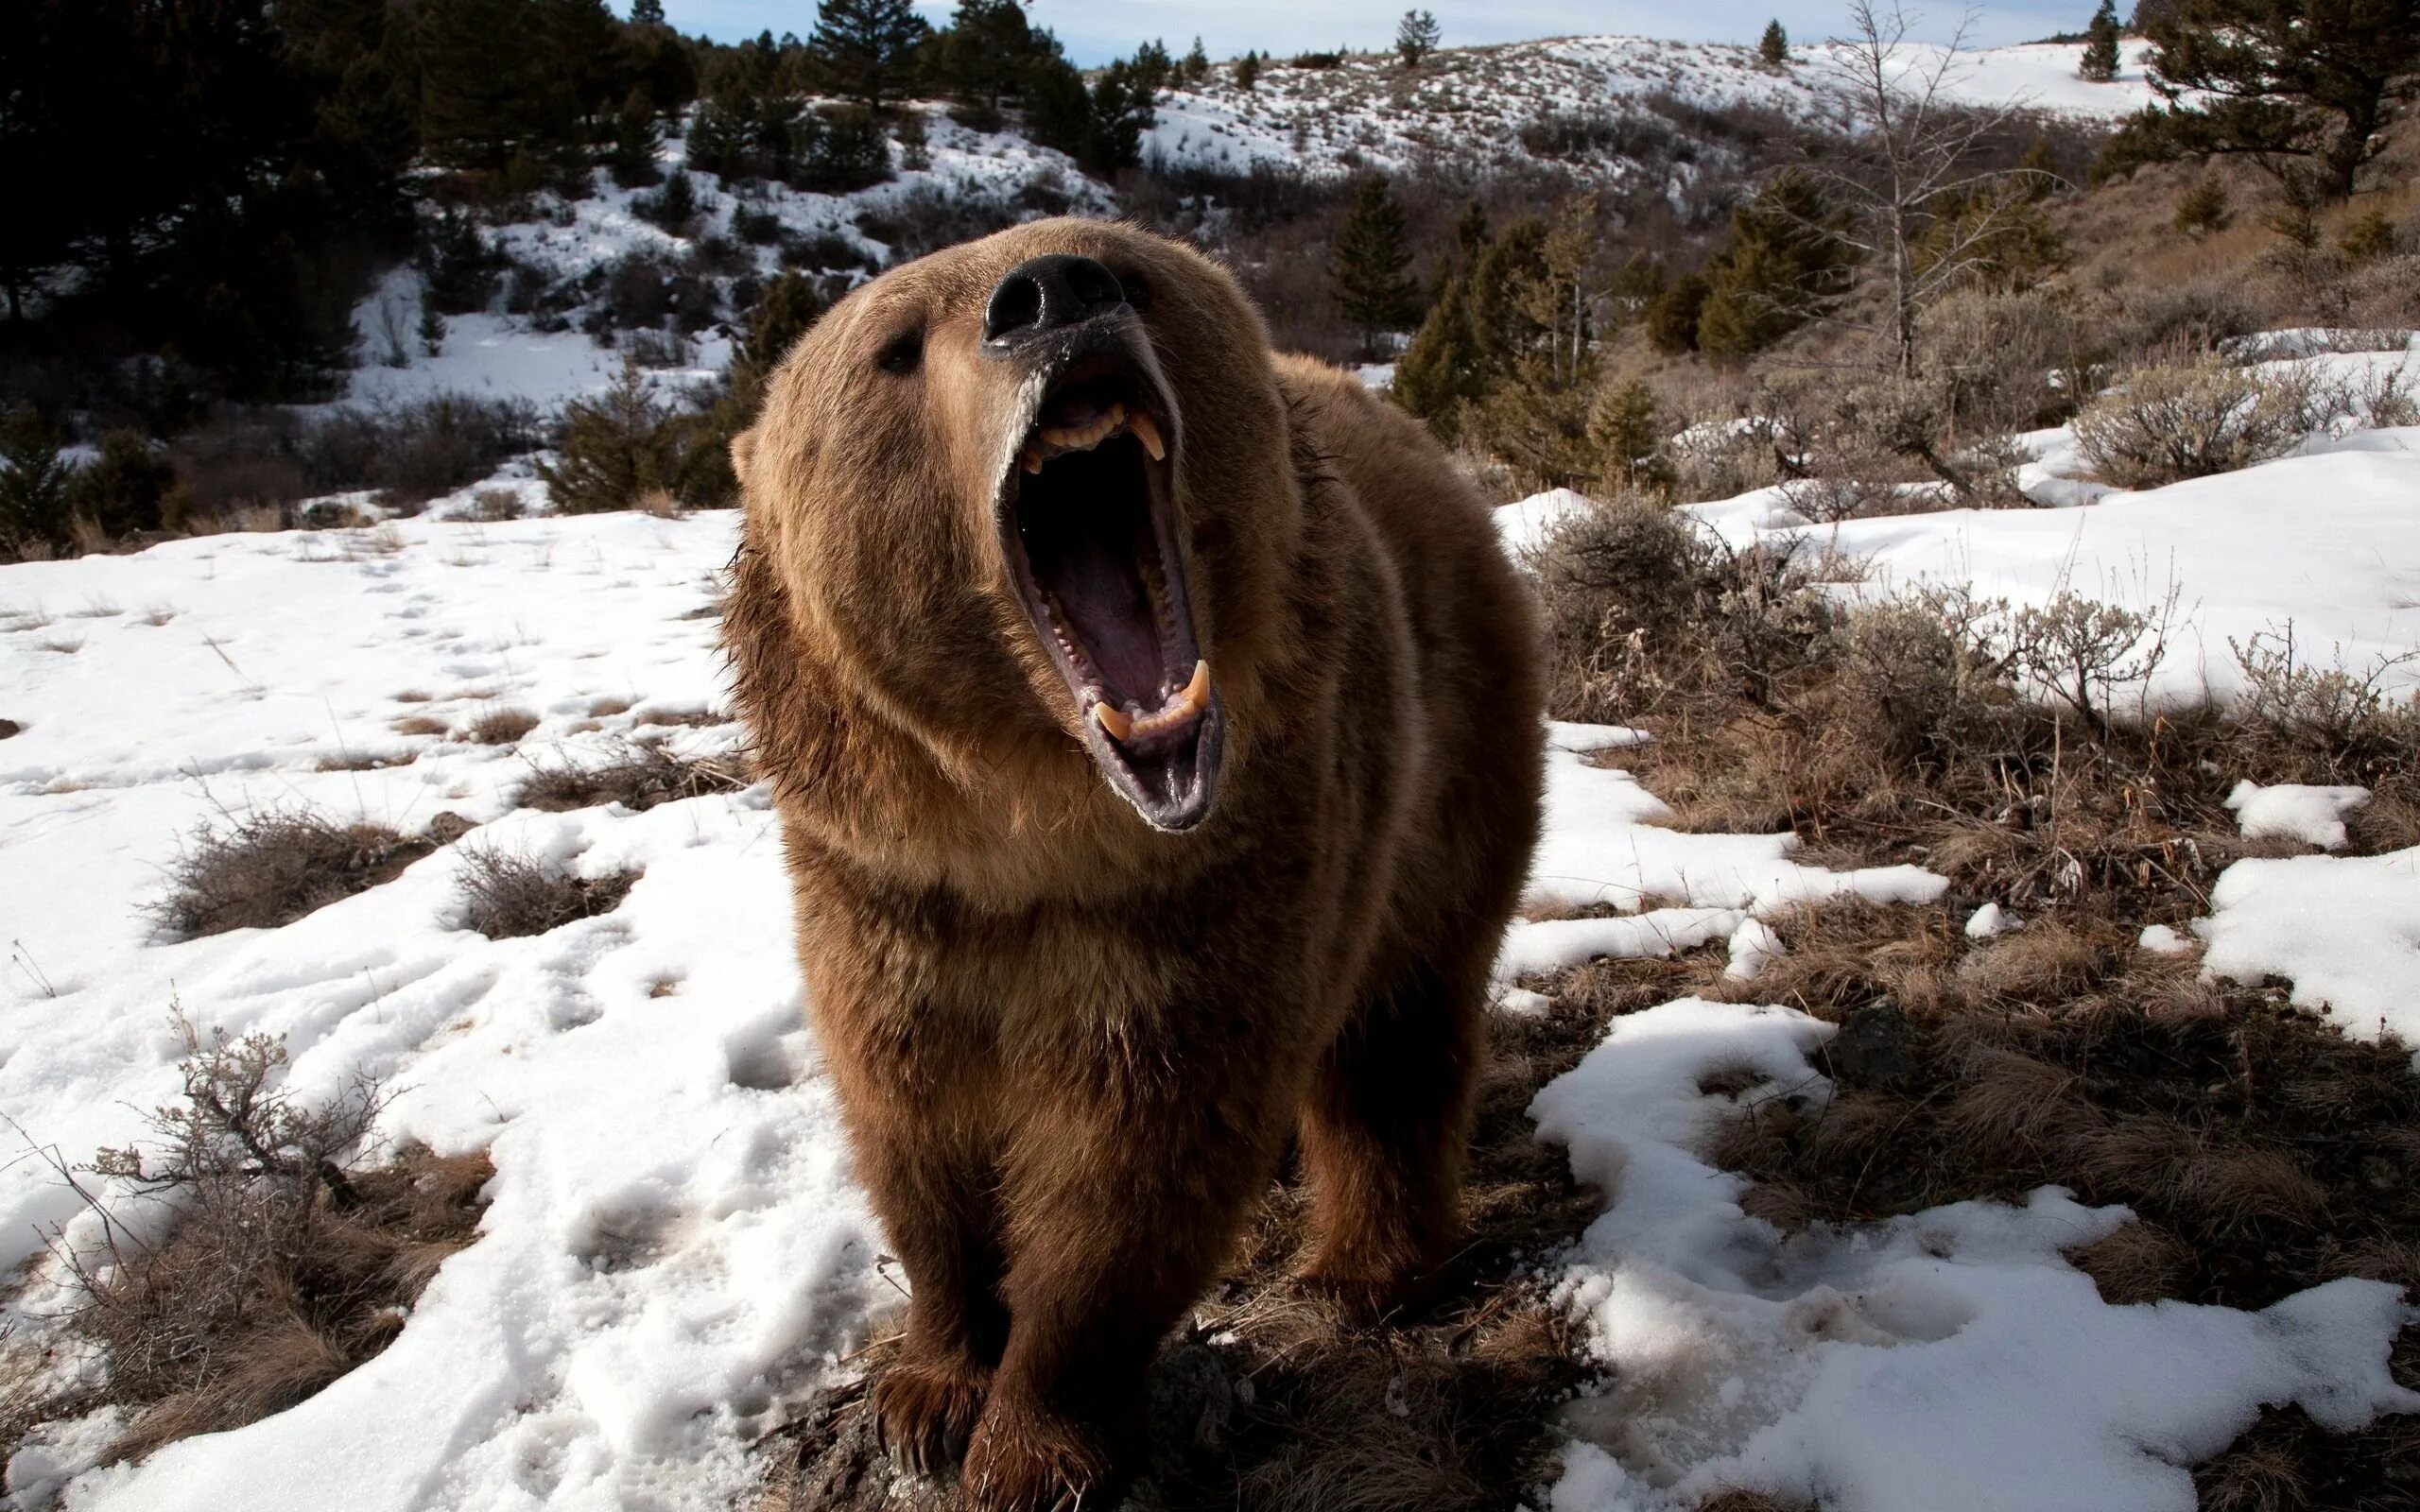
1097	581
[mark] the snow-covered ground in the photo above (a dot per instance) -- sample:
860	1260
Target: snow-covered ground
1474	102
675	1254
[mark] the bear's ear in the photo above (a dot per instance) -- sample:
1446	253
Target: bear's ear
743	451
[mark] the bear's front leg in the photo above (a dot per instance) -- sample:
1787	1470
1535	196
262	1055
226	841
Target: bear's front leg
939	1214
1122	1201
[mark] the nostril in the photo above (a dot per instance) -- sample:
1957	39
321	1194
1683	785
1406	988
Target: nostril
1015	304
1047	294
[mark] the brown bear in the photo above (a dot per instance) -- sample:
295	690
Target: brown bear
1155	727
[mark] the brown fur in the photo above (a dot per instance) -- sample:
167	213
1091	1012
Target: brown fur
1071	1047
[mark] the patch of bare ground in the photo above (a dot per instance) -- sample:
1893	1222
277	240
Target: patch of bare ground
1272	1399
285	1266
270	868
2262	1151
500	726
637	775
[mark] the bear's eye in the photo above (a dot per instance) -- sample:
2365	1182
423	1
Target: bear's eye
902	352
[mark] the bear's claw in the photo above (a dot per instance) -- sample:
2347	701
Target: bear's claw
926	1413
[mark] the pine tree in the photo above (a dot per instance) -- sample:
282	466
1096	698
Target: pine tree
647	12
1151	67
2369	238
1196	62
1371	265
2251	76
915	143
865	48
636	141
1781	266
1774	50
1416	36
481	91
34	481
2100	61
1121	109
985	53
2203	209
1626	430
1672	319
1248	72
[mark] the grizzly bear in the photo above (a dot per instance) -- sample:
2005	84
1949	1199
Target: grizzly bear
1156	728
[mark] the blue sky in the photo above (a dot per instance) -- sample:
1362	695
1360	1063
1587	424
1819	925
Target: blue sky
1097	31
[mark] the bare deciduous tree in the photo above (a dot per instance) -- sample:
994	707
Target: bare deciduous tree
1920	216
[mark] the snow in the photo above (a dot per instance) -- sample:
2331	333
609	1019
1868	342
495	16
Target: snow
2345	930
2314	815
1476	100
674	1248
496	354
1989	921
1950	1358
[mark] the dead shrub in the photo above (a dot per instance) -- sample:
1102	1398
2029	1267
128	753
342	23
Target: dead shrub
272	867
1643	606
2166	424
638	776
500	726
505	896
283	1267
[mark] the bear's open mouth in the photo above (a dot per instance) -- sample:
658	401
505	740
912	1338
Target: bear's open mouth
1088	524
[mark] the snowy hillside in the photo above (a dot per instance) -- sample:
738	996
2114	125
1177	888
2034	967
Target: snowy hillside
571	248
1474	102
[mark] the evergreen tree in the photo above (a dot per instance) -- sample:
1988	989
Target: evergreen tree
789	306
1774	49
2100	61
1783	265
2202	208
1196	64
865	48
1626	430
482	90
1151	68
1371	265
34	481
2369	238
1248	72
124	489
1442	369
1416	36
985	53
647	12
636	141
2307	87
915	143
1120	110
1672	319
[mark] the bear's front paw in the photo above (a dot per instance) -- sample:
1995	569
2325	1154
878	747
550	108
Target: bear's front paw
1026	1459
1367	1290
925	1413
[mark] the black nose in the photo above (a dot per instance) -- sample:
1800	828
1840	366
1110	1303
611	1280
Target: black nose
1048	294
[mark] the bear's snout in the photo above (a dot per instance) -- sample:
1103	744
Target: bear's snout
1045	294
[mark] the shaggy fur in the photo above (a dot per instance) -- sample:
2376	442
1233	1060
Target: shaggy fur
1071	1046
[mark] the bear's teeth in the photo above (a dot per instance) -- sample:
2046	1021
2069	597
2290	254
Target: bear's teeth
1117	722
1032	460
1148	430
1188	707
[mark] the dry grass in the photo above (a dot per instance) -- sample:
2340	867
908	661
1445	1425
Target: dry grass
2262	1150
637	776
270	868
284	1268
505	896
1272	1399
500	726
419	725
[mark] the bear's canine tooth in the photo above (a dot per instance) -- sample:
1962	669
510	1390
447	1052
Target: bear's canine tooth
1147	430
1032	460
1196	692
1117	722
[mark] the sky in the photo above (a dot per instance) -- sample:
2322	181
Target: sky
1094	31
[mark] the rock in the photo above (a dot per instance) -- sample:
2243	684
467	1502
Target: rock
1875	1047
